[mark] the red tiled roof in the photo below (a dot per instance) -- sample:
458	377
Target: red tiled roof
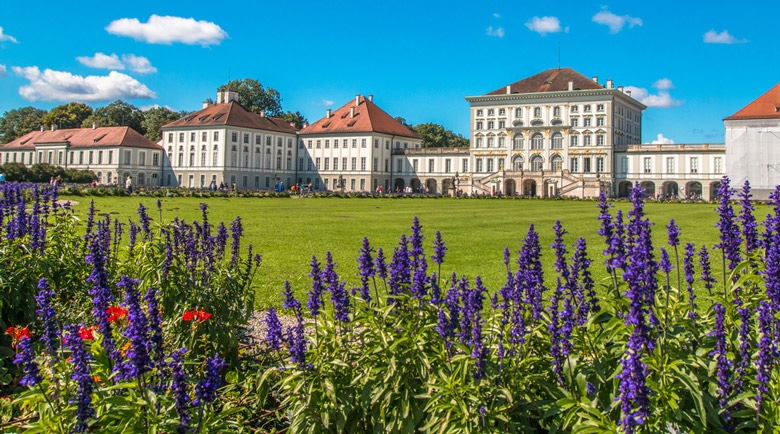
367	118
552	80
231	114
767	106
82	137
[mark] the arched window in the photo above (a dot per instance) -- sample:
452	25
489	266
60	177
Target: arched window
517	141
517	163
537	163
556	163
537	142
557	141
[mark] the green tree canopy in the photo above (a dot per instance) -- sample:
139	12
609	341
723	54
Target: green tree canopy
155	118
18	122
69	115
436	136
255	97
297	118
117	114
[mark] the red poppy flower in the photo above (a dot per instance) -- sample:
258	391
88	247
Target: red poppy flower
199	315
86	333
17	333
116	313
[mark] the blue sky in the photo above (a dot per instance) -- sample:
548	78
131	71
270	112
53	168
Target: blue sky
691	65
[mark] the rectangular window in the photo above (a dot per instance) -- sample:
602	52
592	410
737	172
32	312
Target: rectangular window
354	163
258	141
670	165
362	144
352	184
647	165
624	164
574	164
317	163
448	164
204	136
344	163
327	164
694	165
170	137
362	185
376	164
490	165
110	157
354	145
585	122
181	137
587	140
309	144
600	140
600	164
319	143
216	135
431	163
335	164
718	163
127	157
465	165
300	163
362	163
600	121
234	136
479	165
327	144
335	143
376	143
155	159
142	159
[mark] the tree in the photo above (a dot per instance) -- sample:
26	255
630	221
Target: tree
69	115
155	118
256	98
436	136
18	122
297	118
116	114
15	172
42	172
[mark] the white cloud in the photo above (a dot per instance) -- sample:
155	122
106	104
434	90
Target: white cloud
545	25
144	108
51	85
498	33
615	22
496	15
101	61
167	30
9	38
661	140
138	64
3	71
724	37
662	100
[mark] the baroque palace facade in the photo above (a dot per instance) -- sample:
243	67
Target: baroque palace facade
556	133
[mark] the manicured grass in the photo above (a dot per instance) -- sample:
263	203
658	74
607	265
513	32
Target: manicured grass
288	231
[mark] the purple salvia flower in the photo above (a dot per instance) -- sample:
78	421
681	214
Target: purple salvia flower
674	233
155	327
416	241
48	318
772	222
554	330
296	340
381	266
315	302
101	293
723	364
744	349
688	266
590	389
560	251
666	264
159	208
289	299
400	269
274	330
748	220
633	391
439	249
419	288
236	231
26	357
365	269
137	331
179	389
582	263
772	275
90	218
530	275
80	360
145	221
132	233
435	290
706	269
730	238
339	296
206	389
220	242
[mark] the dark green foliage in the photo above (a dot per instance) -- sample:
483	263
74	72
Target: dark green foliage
18	122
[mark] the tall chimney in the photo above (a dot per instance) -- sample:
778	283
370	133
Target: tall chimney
94	125
43	128
327	113
620	88
609	83
262	113
628	92
571	85
53	127
352	112
508	89
205	104
371	98
357	100
595	78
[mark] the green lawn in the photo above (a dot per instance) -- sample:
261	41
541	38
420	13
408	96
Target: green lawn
288	231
